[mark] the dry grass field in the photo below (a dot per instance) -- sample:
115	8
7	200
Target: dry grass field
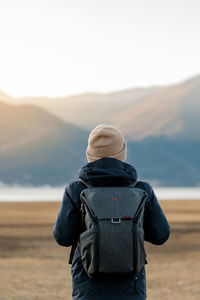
34	267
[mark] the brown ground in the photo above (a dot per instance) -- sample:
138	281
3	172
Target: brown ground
34	267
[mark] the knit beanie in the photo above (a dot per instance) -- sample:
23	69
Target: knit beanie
106	141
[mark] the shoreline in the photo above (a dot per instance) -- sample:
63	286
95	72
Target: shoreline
47	194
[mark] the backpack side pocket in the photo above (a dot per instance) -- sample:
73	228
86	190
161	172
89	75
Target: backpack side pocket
139	250
88	244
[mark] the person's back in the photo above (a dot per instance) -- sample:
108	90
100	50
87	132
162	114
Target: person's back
106	154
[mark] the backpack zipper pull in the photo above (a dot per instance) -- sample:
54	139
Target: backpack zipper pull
135	279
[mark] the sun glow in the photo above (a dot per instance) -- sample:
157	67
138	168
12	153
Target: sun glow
58	47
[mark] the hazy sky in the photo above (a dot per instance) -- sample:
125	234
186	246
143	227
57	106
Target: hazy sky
61	47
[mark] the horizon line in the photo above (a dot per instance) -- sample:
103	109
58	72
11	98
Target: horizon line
88	92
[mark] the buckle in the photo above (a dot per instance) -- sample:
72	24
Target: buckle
116	221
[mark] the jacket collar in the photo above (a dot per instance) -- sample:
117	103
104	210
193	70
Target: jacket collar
107	172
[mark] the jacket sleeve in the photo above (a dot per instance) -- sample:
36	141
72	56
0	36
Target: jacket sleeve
156	226
67	227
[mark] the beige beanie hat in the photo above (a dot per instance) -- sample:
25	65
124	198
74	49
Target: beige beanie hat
106	141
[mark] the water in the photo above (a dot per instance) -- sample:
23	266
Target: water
47	193
179	193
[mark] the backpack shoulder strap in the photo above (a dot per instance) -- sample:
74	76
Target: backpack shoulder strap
85	183
133	184
73	248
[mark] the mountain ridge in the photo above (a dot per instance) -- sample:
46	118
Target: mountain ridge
37	147
138	112
161	127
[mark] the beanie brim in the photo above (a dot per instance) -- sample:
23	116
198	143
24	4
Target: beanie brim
120	155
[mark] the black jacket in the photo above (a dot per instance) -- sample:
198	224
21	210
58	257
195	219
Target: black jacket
106	172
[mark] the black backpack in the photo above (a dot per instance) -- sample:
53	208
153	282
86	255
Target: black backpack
111	242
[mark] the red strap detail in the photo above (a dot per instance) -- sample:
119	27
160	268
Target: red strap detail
127	217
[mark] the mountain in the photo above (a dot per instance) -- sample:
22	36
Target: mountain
161	125
172	112
5	97
89	109
37	147
164	162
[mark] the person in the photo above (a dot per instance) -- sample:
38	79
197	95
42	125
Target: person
106	154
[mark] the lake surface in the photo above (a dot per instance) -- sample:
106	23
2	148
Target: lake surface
47	193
